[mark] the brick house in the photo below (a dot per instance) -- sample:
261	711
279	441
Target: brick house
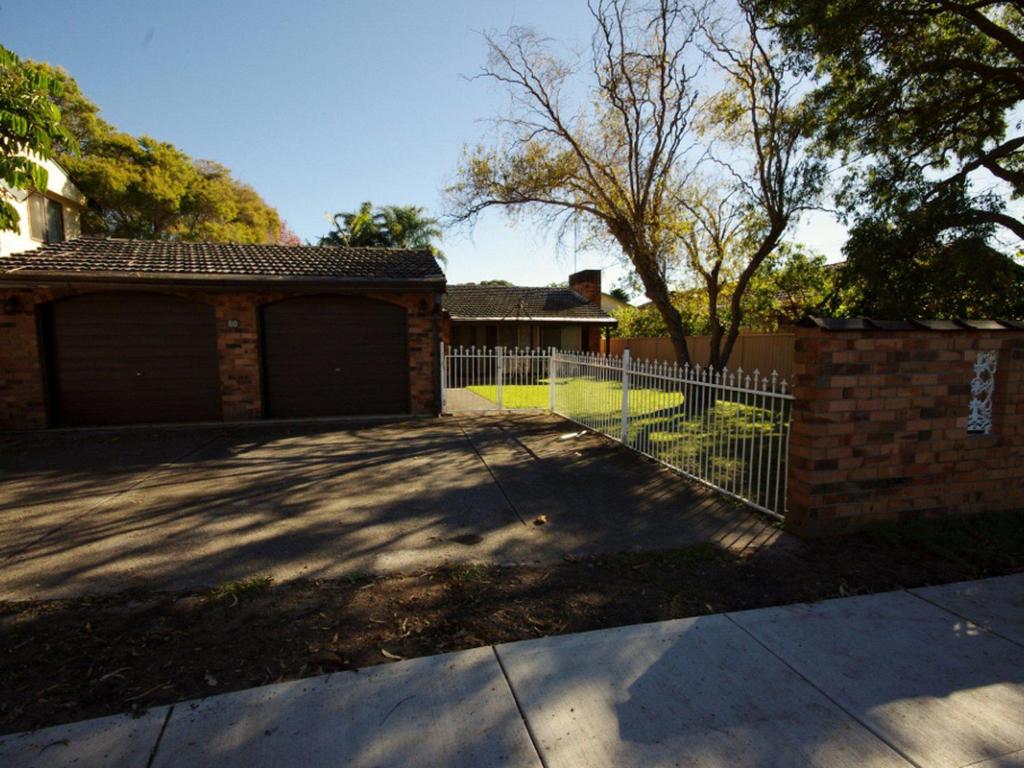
98	331
487	316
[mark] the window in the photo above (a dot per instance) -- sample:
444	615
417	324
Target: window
37	217
54	221
45	219
551	337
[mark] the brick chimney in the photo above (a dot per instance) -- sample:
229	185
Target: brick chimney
587	283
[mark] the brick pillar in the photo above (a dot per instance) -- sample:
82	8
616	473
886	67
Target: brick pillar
22	399
879	426
238	348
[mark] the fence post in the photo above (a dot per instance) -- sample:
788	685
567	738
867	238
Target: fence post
499	374
444	379
551	379
625	396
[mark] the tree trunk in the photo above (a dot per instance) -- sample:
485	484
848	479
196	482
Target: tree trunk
657	291
736	304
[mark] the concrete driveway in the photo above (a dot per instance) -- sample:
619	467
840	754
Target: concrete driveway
171	508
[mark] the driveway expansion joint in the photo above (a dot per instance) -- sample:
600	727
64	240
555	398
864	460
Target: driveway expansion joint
490	471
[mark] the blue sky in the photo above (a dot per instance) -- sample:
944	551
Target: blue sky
321	105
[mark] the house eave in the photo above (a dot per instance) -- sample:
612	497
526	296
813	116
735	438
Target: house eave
483	319
16	277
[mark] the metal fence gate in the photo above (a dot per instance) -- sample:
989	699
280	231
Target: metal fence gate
726	429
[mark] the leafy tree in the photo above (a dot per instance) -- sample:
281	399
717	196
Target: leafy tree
792	285
735	222
30	127
611	168
623	162
928	266
637	322
497	283
391	226
646	320
146	188
356	228
620	294
920	100
287	236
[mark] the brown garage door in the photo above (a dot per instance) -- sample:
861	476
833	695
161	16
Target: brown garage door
131	358
334	356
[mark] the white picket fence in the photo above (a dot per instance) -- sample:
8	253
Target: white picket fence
726	429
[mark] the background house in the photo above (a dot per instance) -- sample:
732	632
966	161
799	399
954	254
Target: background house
487	316
43	218
612	304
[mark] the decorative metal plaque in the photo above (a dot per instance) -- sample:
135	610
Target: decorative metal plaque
979	415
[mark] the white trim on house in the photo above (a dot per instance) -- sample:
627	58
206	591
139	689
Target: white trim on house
528	319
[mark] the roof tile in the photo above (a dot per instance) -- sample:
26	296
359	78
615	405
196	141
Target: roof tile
85	255
496	302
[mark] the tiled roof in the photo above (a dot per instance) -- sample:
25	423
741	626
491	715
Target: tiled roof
90	256
872	324
493	302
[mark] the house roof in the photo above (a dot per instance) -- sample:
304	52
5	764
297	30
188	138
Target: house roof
496	303
98	258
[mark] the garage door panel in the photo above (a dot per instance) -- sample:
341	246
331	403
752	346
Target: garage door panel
335	356
123	358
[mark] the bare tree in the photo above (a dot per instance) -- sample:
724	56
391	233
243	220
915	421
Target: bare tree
631	164
736	219
614	166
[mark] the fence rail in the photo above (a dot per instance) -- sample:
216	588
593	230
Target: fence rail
726	429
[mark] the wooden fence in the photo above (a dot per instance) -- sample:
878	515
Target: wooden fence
766	352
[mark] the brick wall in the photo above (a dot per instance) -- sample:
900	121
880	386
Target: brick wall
879	426
22	389
587	283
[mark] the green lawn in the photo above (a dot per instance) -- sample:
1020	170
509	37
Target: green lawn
588	398
733	445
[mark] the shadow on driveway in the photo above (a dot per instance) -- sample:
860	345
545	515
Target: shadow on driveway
98	511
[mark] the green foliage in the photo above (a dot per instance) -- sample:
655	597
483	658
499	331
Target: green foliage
145	188
391	226
620	294
922	100
646	320
30	125
924	266
788	286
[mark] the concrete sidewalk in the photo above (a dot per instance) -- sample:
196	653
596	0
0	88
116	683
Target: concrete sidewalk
929	677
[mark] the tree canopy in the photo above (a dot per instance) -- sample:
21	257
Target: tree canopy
31	128
390	226
679	107
919	102
139	186
790	285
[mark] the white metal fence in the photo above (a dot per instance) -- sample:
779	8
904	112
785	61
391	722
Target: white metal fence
499	378
726	429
